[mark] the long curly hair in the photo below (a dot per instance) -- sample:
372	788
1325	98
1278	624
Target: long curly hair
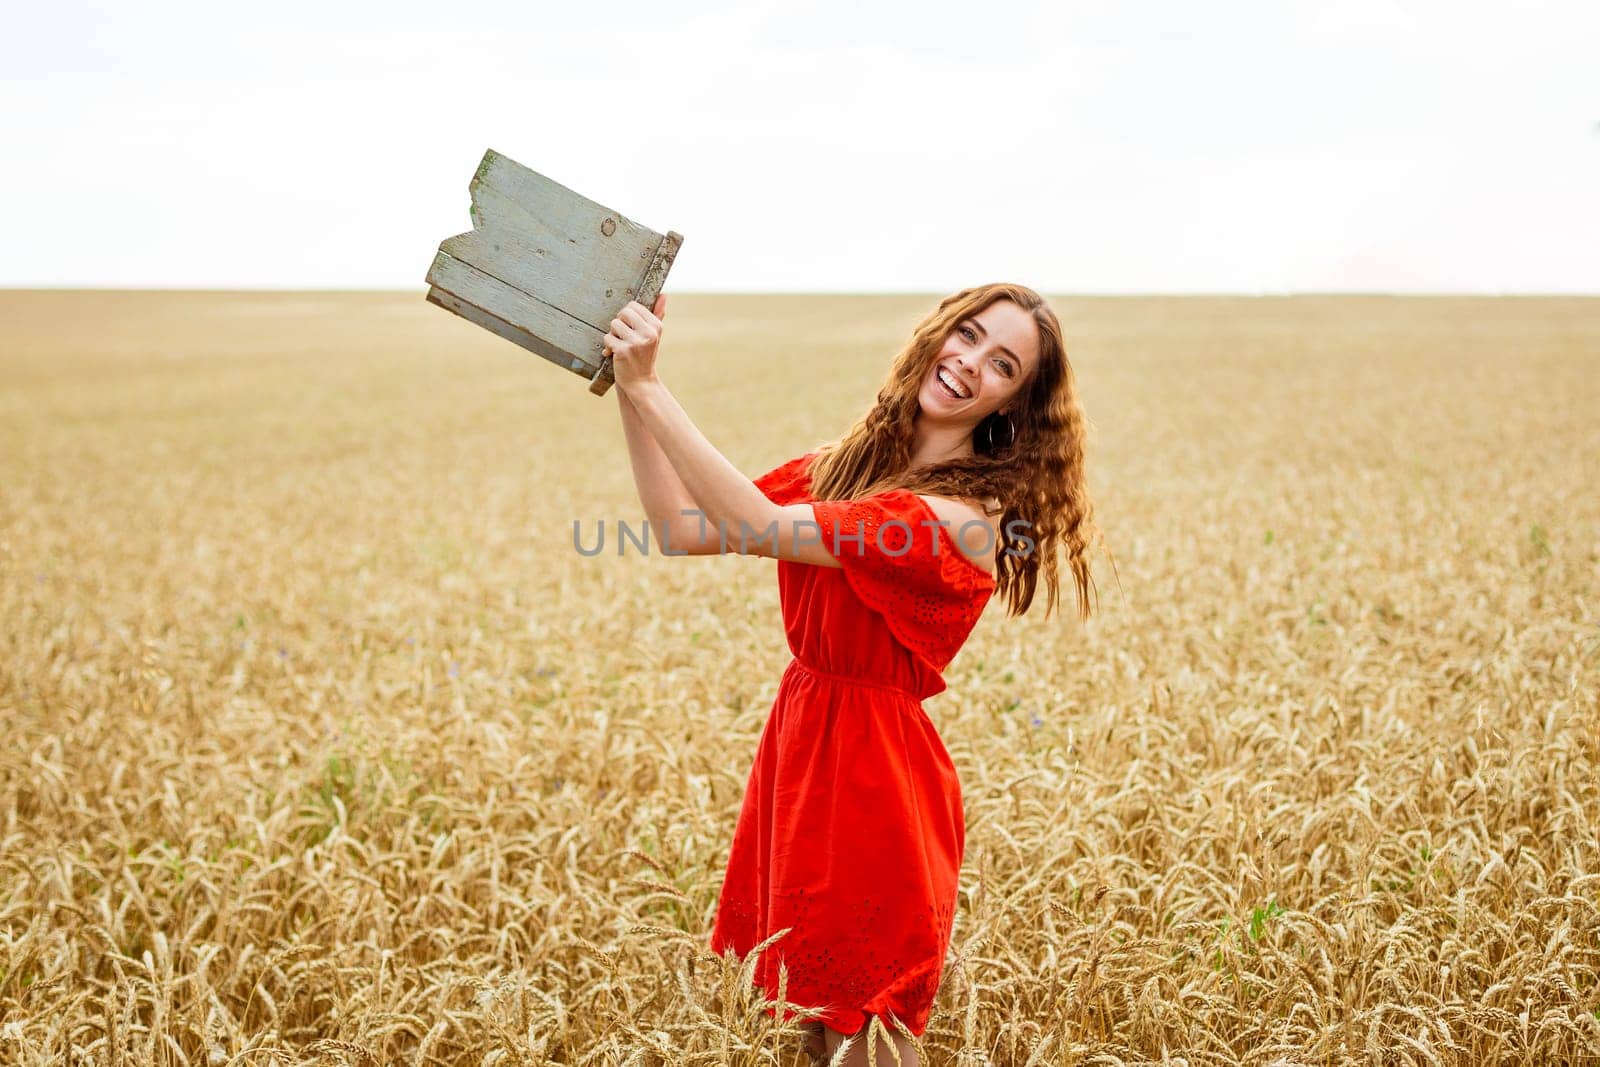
1038	477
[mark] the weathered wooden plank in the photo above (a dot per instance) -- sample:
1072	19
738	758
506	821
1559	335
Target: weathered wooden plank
655	277
498	326
518	309
586	219
546	268
587	274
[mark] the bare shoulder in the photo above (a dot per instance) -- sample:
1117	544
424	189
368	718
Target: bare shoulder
974	531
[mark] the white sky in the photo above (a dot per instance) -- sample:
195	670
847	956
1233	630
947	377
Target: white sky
1087	147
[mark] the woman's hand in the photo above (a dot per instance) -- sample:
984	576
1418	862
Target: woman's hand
632	342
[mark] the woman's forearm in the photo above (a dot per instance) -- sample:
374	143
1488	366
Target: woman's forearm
721	491
661	491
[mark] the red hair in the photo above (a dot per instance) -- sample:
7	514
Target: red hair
1038	478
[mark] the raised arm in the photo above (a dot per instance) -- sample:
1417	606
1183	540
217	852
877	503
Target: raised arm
730	503
751	523
661	491
790	531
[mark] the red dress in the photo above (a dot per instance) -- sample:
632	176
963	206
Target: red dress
851	831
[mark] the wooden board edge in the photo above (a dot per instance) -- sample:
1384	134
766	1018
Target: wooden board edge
498	326
651	282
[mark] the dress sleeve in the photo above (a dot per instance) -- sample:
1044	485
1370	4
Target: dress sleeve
906	569
788	482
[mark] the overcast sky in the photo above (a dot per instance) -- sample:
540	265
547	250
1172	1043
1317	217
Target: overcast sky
1376	145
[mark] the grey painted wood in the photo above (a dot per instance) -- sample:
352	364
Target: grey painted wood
655	276
499	326
563	256
547	268
562	337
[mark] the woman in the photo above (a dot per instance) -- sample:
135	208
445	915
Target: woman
965	478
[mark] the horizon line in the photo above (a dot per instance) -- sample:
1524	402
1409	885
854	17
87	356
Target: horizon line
421	291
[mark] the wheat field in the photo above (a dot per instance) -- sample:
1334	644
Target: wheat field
326	745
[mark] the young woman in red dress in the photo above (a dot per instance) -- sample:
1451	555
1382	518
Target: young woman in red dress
965	478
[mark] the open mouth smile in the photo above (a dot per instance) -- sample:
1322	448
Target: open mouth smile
953	386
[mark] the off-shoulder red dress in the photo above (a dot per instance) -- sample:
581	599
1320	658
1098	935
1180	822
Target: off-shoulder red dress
851	830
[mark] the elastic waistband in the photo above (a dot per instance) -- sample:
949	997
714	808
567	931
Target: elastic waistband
845	679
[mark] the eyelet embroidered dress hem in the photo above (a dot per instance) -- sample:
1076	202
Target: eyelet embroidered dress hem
851	830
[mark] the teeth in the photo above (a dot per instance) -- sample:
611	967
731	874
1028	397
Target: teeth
956	387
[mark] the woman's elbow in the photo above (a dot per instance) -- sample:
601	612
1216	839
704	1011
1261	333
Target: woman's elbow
694	536
700	536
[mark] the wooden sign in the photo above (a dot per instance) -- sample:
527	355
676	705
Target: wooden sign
546	268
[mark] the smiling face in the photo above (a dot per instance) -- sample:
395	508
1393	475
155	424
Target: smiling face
983	364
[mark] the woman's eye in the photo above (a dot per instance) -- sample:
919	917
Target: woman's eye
1005	367
966	331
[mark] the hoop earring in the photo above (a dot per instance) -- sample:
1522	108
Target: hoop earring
989	432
